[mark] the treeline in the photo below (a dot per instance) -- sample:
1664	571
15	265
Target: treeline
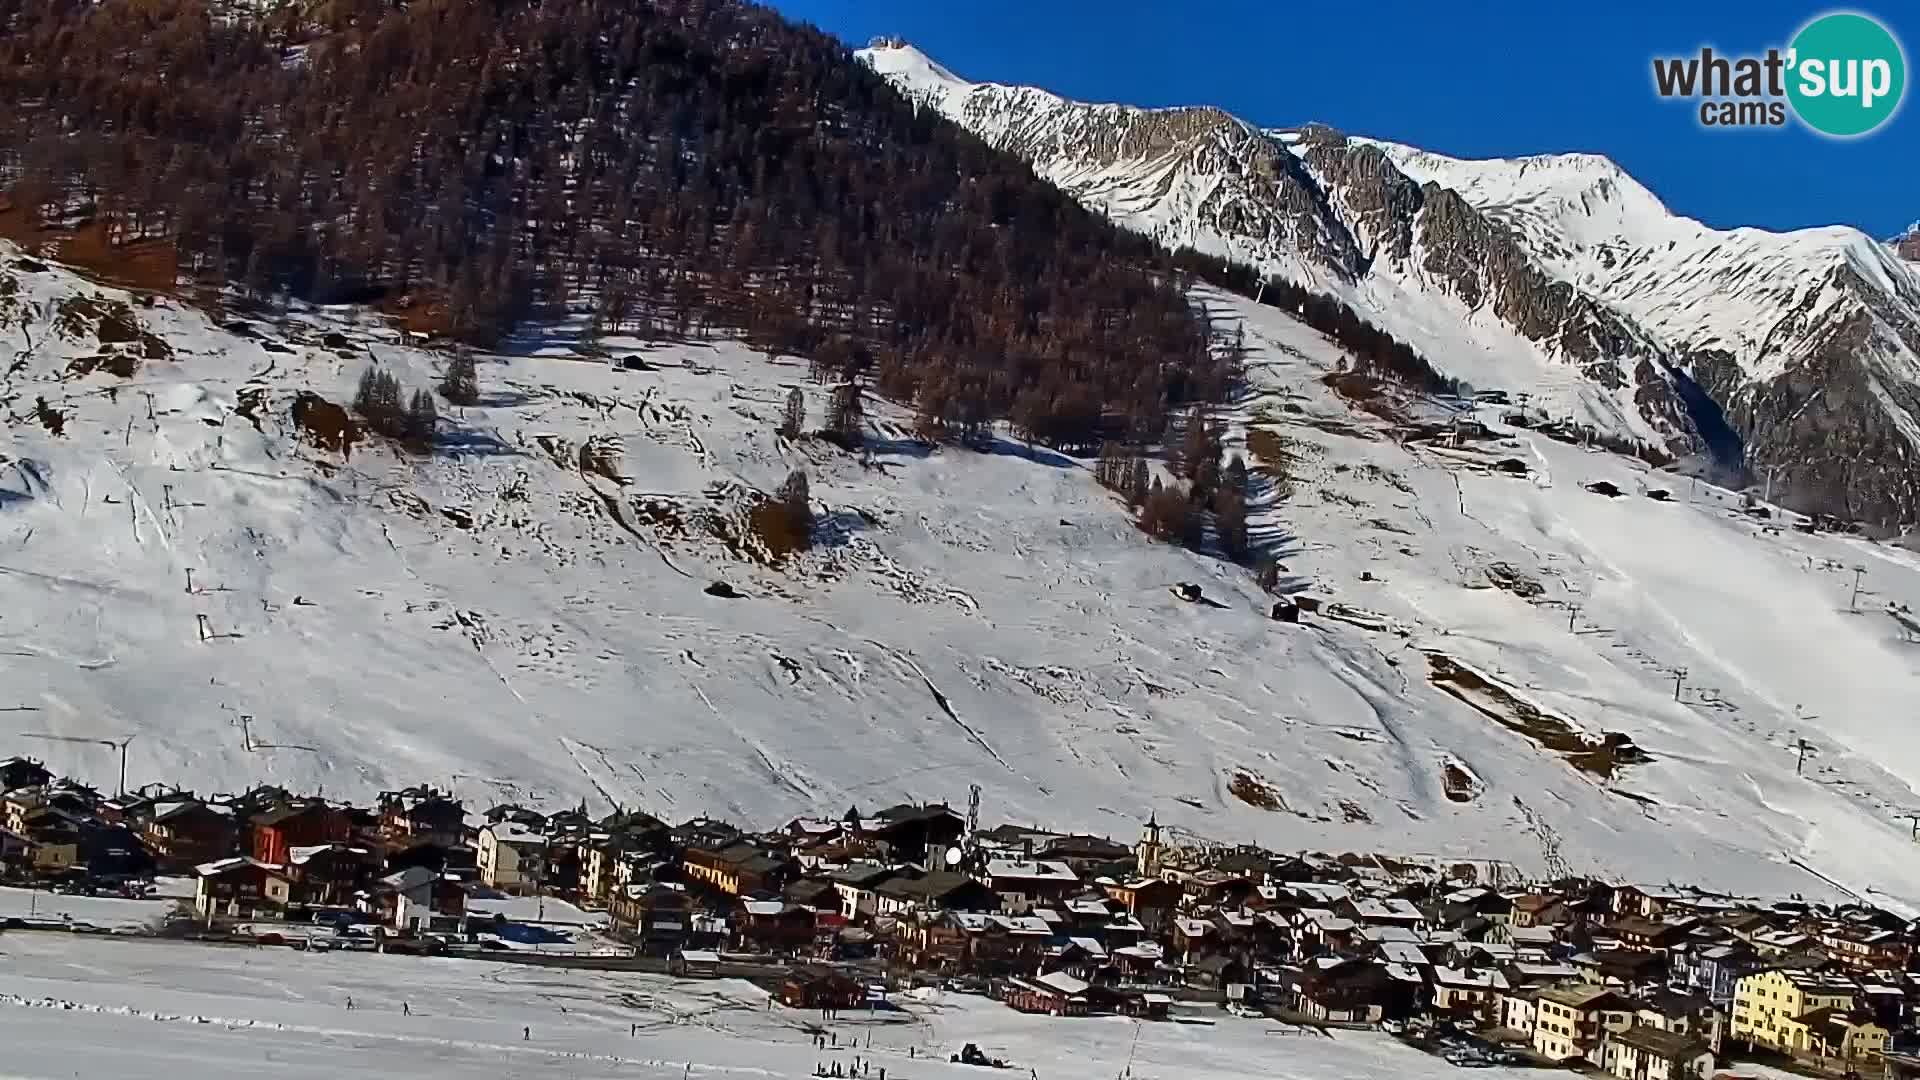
1210	489
1375	351
672	167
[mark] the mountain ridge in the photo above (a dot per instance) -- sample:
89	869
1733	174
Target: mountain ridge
1559	276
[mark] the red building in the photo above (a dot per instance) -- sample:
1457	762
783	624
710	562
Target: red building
310	824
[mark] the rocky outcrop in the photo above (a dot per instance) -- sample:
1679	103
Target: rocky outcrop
1907	244
1795	355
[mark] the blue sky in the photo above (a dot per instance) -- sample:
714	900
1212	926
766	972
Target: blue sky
1470	79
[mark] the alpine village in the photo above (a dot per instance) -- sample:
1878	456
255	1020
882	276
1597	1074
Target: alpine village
1467	961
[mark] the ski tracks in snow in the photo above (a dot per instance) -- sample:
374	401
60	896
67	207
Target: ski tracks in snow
940	699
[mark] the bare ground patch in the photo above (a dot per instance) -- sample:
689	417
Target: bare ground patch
1255	792
1601	758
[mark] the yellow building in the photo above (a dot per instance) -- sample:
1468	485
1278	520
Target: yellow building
1773	1008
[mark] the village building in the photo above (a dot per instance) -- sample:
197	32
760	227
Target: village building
1838	1035
1054	994
512	857
821	989
1152	901
1469	992
239	888
422	812
1712	970
305	823
1573	1021
23	772
1086	854
916	835
1620	968
1342	991
186	832
739	869
656	918
1864	948
942	890
1644	1053
1770	1008
773	926
329	875
1682	1014
1023	884
417	900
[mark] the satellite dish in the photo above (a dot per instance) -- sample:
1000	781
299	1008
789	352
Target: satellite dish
954	856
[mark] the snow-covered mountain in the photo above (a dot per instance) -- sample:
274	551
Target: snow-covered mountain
1557	276
526	614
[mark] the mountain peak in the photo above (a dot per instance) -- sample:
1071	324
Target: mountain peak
898	59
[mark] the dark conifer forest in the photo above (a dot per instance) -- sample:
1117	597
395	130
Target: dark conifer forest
666	167
671	166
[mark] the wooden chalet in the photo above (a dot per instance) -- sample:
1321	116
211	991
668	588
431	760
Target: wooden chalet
823	990
301	824
1053	994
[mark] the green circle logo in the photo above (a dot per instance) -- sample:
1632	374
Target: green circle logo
1848	74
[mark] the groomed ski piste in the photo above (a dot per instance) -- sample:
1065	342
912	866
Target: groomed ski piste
502	619
72	1005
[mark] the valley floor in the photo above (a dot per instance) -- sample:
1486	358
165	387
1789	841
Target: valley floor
73	1006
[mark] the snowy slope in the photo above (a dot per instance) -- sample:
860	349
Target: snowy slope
1557	276
1749	292
497	619
147	1008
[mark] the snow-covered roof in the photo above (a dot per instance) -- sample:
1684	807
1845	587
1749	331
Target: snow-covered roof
1377	909
1475	978
1402	952
1016	870
1063	982
1090	946
513	832
222	866
1320	892
300	856
1023	924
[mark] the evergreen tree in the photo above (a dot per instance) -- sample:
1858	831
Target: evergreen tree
846	414
1230	523
423	419
461	383
1237	474
363	397
1269	575
794	420
1137	484
796	504
1166	516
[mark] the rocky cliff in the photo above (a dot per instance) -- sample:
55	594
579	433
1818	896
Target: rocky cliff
1558	278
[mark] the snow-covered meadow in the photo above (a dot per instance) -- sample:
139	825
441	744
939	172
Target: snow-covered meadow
74	1006
502	620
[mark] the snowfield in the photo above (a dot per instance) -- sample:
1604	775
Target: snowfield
502	620
40	907
161	1009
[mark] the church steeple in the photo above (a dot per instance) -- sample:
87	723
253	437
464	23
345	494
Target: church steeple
1146	854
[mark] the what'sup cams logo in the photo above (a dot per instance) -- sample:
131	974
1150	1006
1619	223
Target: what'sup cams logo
1843	75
